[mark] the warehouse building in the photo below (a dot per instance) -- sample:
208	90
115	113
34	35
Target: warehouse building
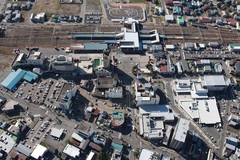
13	79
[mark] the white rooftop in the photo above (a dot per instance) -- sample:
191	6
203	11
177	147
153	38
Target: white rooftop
6	142
77	137
145	154
38	151
130	40
56	132
203	109
71	151
181	130
214	80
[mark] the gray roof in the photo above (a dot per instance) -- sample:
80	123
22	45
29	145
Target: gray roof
95	46
84	144
23	149
185	66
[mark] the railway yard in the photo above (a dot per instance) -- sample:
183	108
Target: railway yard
50	35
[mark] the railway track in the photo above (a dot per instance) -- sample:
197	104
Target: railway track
49	36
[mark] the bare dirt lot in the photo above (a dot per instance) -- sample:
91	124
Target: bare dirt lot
54	7
5	61
93	6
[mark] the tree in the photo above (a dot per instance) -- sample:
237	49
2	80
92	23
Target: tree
103	156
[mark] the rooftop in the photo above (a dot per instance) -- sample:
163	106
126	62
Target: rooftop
117	118
146	154
56	132
214	80
39	151
181	130
71	151
6	142
63	95
9	105
203	109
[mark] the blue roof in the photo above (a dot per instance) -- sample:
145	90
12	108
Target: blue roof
118	146
95	46
94	35
30	76
13	78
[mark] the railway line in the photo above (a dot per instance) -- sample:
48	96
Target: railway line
49	36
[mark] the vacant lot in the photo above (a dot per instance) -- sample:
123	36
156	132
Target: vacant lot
93	6
54	7
5	62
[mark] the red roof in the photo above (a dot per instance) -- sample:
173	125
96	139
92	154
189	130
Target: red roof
231	21
13	154
96	112
163	68
204	20
21	156
205	7
169	2
177	5
75	142
95	146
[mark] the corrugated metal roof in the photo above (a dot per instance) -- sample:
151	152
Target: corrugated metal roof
30	76
23	149
95	46
13	78
94	35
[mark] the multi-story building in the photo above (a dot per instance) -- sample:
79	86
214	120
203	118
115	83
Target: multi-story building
180	134
64	100
30	59
62	63
145	93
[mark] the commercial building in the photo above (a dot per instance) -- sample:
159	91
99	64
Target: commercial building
17	128
39	152
71	151
13	79
117	149
214	82
152	119
192	96
234	47
64	100
145	93
118	119
56	133
7	142
146	154
107	87
10	106
24	150
29	59
180	134
62	63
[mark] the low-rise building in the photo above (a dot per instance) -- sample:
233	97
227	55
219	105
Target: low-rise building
234	47
39	152
71	151
38	18
7	142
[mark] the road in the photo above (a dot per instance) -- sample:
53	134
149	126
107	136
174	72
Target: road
182	114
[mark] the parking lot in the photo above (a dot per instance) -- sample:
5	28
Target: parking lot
93	18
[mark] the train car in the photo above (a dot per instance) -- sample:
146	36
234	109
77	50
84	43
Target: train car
194	24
